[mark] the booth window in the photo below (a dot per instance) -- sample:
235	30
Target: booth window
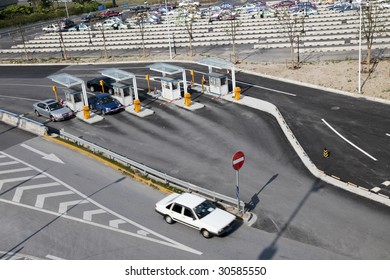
77	98
215	82
174	85
223	81
166	85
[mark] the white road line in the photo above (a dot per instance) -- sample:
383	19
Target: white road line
18	98
51	257
388	134
163	239
19	191
116	223
349	142
15	170
2	156
41	198
8	163
63	208
87	215
20	179
270	89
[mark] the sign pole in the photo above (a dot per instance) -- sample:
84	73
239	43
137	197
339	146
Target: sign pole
238	191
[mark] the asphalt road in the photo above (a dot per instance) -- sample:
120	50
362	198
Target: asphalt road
108	215
197	147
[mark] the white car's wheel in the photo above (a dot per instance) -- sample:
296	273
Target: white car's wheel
37	113
168	219
206	233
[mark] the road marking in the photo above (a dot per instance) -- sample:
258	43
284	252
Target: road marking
51	157
20	179
51	257
387	134
2	156
116	223
270	89
15	170
19	98
349	142
41	198
63	208
87	215
19	191
163	240
8	163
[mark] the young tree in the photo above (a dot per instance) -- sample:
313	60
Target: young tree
232	31
374	22
185	18
141	21
293	26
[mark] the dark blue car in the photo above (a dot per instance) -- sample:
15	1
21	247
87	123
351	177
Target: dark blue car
104	103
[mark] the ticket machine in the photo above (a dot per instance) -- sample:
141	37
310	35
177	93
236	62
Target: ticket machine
170	88
218	83
74	100
123	93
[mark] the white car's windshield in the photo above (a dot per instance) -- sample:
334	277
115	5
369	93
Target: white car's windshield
203	209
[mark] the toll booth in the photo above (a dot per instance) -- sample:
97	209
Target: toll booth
74	100
218	83
123	93
170	88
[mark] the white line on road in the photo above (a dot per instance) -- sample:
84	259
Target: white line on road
349	142
19	191
63	208
51	157
87	215
270	89
20	179
15	170
8	163
51	257
388	134
41	198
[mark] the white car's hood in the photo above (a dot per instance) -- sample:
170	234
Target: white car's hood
218	218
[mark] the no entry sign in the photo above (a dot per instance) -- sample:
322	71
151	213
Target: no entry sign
238	160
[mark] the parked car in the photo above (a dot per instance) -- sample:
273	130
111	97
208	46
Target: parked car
196	212
94	85
110	13
305	12
66	23
79	27
51	28
52	110
104	103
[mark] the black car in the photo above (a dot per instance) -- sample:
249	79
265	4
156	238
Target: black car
94	85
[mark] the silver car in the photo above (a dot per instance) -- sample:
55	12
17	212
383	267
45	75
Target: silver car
52	109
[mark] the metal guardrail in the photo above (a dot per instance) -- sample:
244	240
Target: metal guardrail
150	171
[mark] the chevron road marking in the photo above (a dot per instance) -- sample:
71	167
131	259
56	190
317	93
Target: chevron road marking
87	215
19	191
15	170
116	223
8	163
63	208
41	198
163	240
20	179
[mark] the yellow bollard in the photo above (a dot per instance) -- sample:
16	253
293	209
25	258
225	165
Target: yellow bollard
187	99
237	93
137	105
87	114
54	88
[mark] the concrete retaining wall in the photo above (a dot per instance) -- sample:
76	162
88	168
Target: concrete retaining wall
22	123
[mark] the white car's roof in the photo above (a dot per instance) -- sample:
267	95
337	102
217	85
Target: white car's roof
189	200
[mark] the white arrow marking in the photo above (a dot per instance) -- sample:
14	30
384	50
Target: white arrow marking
349	142
51	157
87	215
116	223
41	198
19	191
64	205
19	179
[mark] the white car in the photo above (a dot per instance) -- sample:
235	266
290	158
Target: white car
51	28
197	212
